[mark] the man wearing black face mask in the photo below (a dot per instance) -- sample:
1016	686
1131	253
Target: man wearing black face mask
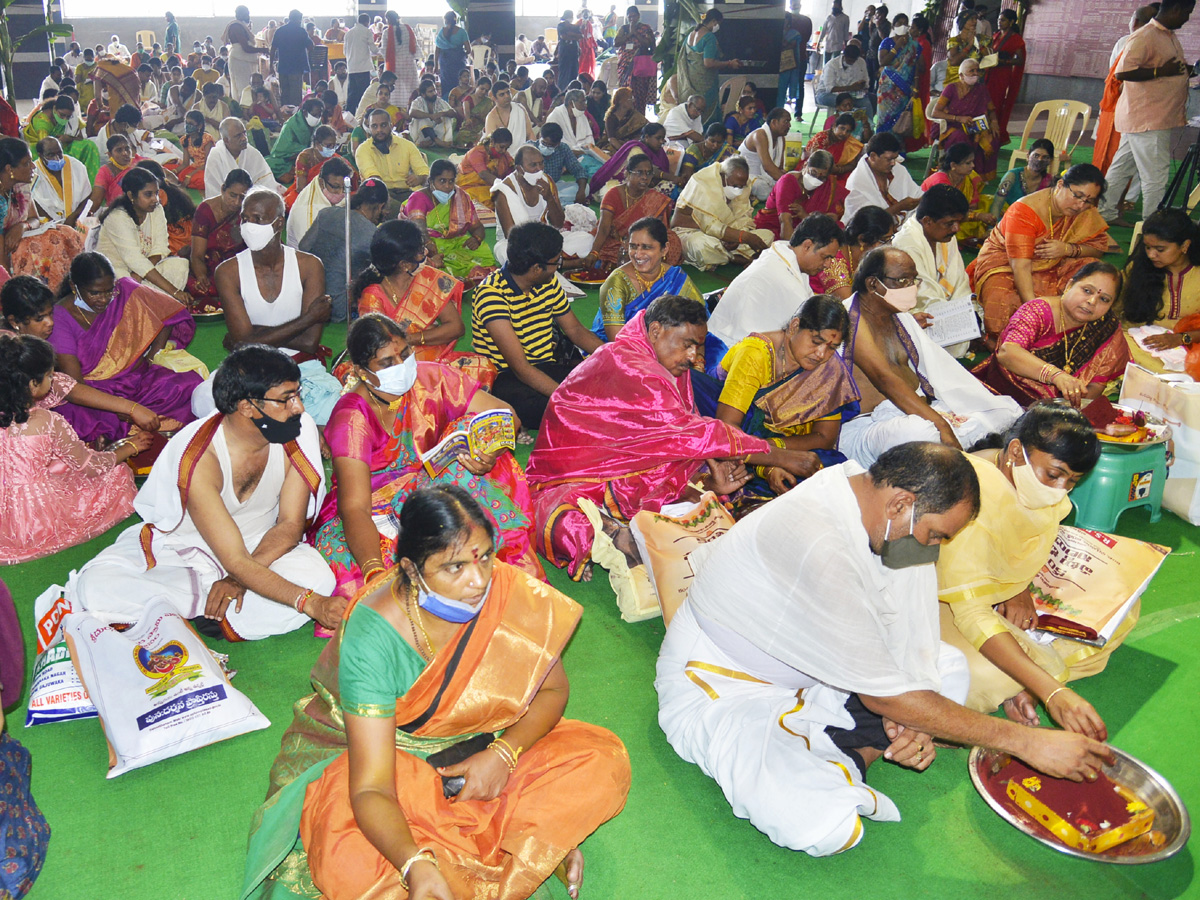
225	508
912	389
785	679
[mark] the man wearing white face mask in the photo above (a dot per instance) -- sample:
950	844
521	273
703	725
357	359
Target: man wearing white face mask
230	546
296	135
786	679
292	319
713	217
880	179
774	286
233	151
912	389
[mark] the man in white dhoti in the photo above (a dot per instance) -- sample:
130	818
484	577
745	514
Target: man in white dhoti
880	179
233	151
245	56
571	117
225	509
713	217
685	123
809	646
912	389
764	149
433	119
61	185
507	114
928	236
766	295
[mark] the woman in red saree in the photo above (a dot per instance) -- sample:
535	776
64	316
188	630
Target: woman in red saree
426	301
1004	79
486	665
216	238
587	46
622	206
1040	242
1070	346
378	436
798	194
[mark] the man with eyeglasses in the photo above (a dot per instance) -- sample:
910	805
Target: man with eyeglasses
275	295
912	389
224	512
880	179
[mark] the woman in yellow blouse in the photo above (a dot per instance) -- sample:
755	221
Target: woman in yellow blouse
792	388
985	572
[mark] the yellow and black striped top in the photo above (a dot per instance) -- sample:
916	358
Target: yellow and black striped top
531	315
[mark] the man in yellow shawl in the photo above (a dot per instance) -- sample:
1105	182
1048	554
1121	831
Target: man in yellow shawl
713	217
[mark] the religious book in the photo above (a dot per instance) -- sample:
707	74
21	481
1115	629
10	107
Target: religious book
977	125
488	432
1091	582
954	321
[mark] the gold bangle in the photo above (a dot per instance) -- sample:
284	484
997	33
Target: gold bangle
504	754
1046	702
425	854
516	754
778	442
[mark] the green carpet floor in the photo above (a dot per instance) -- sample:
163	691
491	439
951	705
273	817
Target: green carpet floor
177	830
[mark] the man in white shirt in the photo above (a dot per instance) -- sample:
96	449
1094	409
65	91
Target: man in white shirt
340	83
775	285
523	56
836	31
928	236
880	179
361	51
233	151
117	49
74	56
845	74
52	82
685	123
784	679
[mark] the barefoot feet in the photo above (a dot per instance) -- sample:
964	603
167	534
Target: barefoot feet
570	872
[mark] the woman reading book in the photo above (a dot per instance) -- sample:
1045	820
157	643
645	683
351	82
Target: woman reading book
380	430
984	573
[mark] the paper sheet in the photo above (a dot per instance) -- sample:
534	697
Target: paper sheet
1172	359
954	321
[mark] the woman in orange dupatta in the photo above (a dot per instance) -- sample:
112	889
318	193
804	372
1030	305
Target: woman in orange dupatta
1037	246
309	162
425	300
453	653
197	144
483	164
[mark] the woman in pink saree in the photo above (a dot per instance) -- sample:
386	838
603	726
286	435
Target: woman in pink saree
622	430
378	435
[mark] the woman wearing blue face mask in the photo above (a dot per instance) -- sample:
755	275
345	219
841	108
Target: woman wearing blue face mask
985	572
434	750
398	410
456	241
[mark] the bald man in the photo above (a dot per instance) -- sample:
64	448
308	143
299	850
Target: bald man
275	295
233	151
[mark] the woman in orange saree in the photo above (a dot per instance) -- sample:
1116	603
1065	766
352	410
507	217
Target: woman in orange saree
426	301
197	145
473	671
621	207
1041	241
483	164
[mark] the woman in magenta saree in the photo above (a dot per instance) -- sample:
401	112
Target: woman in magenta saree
962	104
109	333
440	401
622	431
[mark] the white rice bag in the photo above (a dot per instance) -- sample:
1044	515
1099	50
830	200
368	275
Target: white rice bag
55	692
158	690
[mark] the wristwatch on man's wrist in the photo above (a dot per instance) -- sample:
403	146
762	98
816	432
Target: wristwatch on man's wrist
1187	338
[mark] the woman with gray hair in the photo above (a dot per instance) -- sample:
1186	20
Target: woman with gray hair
571	116
798	194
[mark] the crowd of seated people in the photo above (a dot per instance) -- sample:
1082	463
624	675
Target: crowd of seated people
224	182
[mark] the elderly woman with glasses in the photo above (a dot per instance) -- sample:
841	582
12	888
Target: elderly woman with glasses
1040	243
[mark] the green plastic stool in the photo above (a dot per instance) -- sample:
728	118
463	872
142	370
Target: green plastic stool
1121	480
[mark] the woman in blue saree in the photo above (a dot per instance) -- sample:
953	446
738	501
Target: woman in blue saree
793	388
646	277
899	56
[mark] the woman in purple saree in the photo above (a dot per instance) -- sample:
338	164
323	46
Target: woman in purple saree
106	331
652	142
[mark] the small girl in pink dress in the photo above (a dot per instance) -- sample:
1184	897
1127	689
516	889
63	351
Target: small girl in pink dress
54	491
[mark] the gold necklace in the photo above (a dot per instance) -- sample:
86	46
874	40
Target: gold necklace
406	608
1069	352
646	285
